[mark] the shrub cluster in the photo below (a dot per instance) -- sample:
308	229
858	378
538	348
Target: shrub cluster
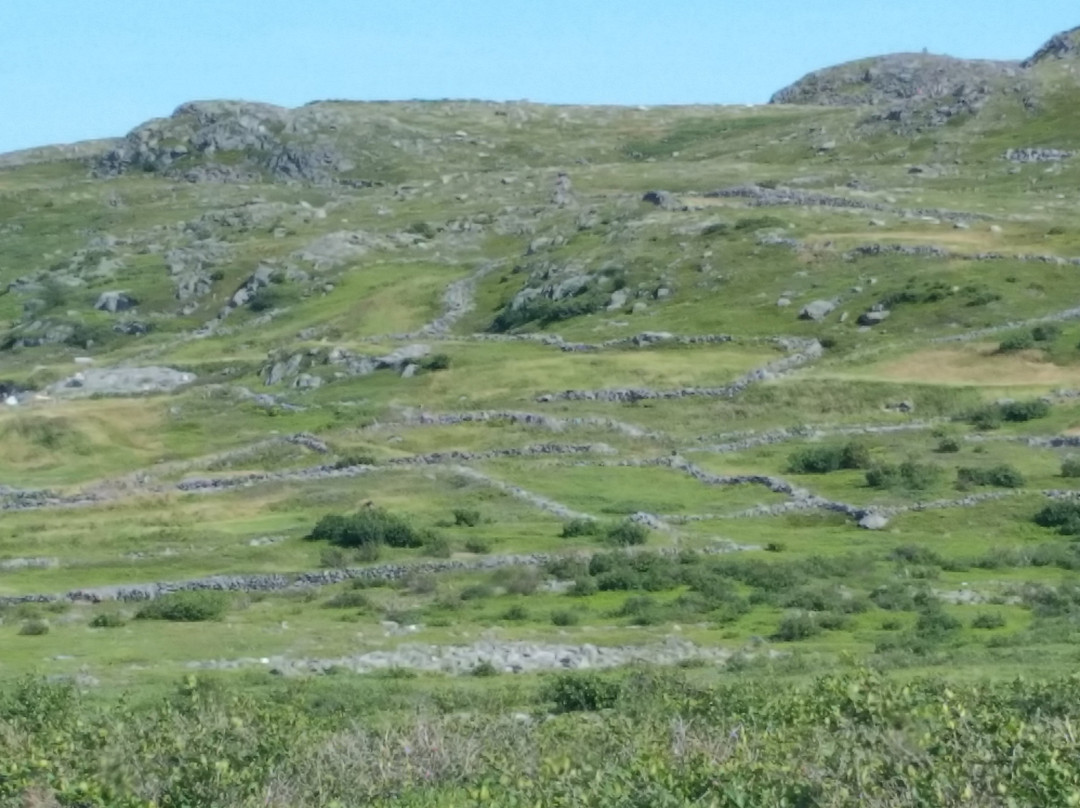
1002	476
186	607
1063	515
824	459
1023	340
909	475
991	416
370	526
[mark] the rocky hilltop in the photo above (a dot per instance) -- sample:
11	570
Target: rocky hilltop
925	88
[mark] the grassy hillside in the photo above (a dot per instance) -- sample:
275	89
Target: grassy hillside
376	397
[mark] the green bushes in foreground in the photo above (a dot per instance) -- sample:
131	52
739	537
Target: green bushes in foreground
186	607
825	459
637	738
370	526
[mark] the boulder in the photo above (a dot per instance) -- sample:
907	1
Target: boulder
403	356
121	381
664	200
873	521
114	302
817	310
873	317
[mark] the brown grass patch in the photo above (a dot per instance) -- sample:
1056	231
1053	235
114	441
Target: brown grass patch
972	365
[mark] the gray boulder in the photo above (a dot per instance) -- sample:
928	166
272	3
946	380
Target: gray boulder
873	521
114	302
402	357
874	317
817	310
121	381
665	200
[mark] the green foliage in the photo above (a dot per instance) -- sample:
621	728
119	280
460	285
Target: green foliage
1018	411
516	613
908	476
108	620
627	533
988	620
1070	467
33	628
1062	514
576	528
754	223
1017	342
484	668
439	361
186	607
794	627
948	445
267	298
544	312
370	526
350	599
466	517
825	459
580	692
565	617
1003	476
478	546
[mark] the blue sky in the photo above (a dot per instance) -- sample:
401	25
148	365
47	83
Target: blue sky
76	69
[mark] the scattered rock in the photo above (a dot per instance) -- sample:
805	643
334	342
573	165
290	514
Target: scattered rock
114	302
817	310
873	521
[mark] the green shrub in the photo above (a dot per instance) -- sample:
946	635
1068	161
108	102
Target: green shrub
627	533
795	627
1046	332
985	418
266	298
351	599
477	592
466	517
34	628
948	446
517	580
584	586
752	223
998	476
437	546
935	623
825	459
367	526
186	607
516	612
580	692
988	620
348	461
1018	411
1016	342
909	475
1062	514
580	527
565	617
478	546
108	620
439	361
341	558
1070	467
484	668
775	547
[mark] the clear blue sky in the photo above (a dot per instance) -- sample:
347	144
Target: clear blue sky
76	69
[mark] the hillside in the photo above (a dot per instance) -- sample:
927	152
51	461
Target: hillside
350	404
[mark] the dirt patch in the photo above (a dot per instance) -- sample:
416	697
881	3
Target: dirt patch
973	365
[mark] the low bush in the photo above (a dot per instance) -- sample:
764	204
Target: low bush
628	533
565	617
1070	467
348	461
186	607
581	527
477	592
988	620
33	628
484	668
352	599
795	627
466	517
1030	410
437	546
365	527
1016	342
517	580
1061	514
478	546
909	475
948	446
108	620
998	476
580	692
825	459
439	361
1046	332
517	612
